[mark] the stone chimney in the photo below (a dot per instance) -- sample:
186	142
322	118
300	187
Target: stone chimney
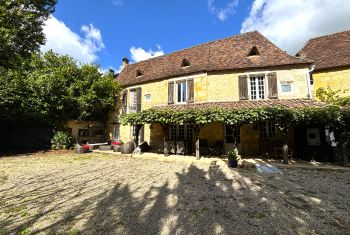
125	61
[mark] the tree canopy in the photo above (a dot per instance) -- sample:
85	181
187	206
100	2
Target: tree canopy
21	32
53	89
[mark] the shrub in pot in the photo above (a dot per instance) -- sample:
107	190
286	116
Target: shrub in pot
233	158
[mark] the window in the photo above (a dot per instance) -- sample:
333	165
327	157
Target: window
124	102
181	91
133	101
268	130
286	87
139	73
257	87
254	51
147	97
83	132
181	132
229	135
185	63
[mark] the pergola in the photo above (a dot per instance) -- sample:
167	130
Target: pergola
284	113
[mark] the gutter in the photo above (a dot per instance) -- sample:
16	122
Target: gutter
308	81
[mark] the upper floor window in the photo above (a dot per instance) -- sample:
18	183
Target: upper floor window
257	87
286	87
135	100
181	91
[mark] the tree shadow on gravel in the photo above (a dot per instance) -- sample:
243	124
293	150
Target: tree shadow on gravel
202	201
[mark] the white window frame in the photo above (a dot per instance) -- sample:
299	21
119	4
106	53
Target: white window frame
177	89
256	76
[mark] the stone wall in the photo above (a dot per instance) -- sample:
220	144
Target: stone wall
336	79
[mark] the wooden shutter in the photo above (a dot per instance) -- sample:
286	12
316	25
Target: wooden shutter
139	98
272	83
170	92
190	91
243	87
124	102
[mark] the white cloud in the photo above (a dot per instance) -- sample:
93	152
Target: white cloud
139	54
222	13
118	2
290	24
63	40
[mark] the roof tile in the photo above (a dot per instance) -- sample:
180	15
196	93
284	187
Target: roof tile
224	54
328	51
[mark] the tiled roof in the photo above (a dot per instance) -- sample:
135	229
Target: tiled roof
244	104
328	51
224	54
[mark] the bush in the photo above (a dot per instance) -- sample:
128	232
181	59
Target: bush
61	140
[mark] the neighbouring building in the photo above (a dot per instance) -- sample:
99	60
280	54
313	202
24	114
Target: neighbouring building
242	71
331	56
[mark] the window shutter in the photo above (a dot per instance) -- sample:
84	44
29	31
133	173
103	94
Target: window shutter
139	98
124	102
190	91
170	92
243	87
272	82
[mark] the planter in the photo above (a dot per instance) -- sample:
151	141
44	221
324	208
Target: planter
117	148
232	163
105	147
127	148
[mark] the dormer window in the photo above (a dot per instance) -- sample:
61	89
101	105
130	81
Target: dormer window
185	63
139	73
254	52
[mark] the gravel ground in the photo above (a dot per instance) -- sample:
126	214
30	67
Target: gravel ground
95	194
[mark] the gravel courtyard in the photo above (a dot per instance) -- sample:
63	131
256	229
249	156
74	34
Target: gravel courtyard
94	194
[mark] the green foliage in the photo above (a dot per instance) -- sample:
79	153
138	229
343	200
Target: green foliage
54	89
61	140
332	97
21	31
233	154
282	116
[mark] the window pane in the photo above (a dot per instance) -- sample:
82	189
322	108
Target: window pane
261	87
252	88
179	92
181	134
184	91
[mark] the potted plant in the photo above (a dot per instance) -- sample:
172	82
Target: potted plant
233	158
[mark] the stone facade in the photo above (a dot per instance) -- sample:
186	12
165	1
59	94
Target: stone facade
216	86
336	79
83	131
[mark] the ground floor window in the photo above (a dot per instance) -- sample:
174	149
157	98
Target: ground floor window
180	132
229	135
268	130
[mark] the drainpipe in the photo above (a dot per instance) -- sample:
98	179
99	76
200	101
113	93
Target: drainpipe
311	68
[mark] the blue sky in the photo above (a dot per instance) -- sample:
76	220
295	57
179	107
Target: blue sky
105	31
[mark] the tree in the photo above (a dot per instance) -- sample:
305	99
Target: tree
21	32
53	89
